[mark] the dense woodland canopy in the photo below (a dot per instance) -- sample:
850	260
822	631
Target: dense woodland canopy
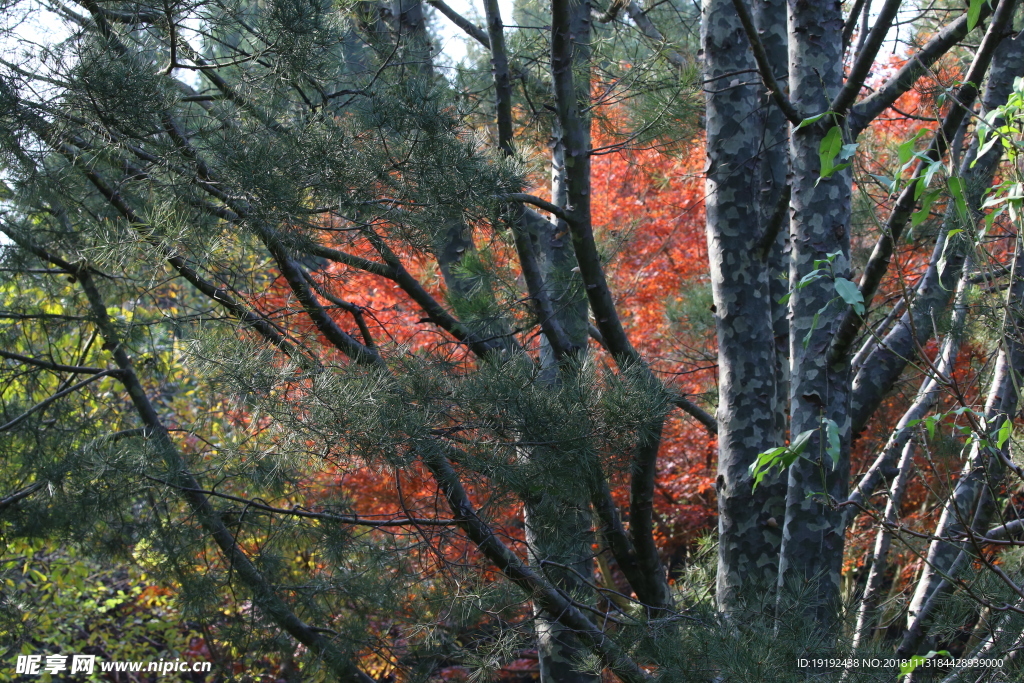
649	341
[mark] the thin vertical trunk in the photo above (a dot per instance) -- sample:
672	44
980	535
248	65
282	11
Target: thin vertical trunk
559	539
812	538
570	21
749	530
770	19
558	527
453	243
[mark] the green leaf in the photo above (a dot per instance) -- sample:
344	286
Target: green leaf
1005	431
989	144
812	120
810	277
785	298
765	461
974	14
783	456
799	444
814	326
932	169
850	293
832	441
991	217
906	149
829	149
888	183
916	661
832	171
922	214
956	188
848	151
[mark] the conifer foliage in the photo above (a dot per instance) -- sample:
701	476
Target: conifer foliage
391	368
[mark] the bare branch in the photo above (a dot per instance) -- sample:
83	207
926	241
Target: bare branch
764	66
866	57
56	367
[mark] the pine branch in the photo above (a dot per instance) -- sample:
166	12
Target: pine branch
56	367
263	593
354	520
651	32
544	594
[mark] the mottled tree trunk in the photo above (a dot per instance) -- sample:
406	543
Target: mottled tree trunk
749	524
812	537
770	18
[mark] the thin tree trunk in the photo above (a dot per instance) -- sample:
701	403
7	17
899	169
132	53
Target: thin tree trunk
558	528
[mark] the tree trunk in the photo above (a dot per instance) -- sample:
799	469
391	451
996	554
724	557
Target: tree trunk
749	528
812	538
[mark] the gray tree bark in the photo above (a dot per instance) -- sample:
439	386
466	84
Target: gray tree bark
812	537
748	415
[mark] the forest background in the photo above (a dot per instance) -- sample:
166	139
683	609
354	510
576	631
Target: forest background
646	342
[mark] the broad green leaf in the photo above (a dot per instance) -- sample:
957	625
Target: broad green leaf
765	461
799	444
814	326
1005	431
989	144
832	171
888	183
924	212
832	441
783	456
850	293
930	172
829	149
974	14
906	149
810	277
848	151
812	120
990	218
956	188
